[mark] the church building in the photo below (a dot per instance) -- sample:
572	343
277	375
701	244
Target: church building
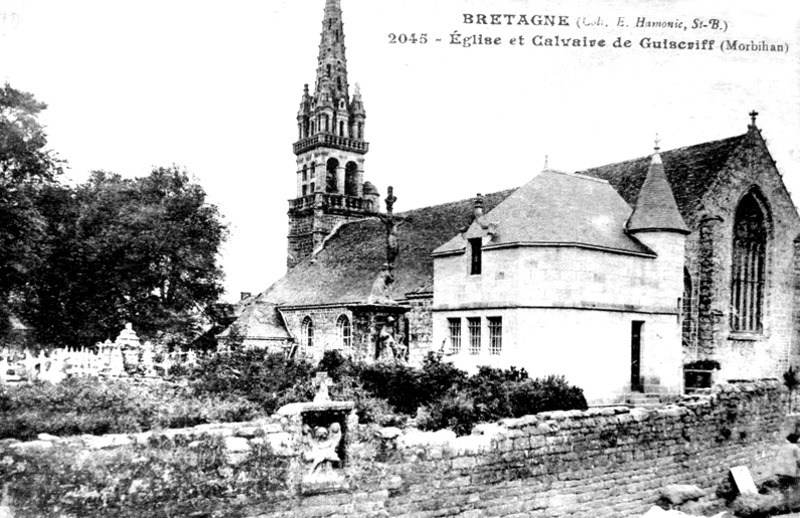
615	277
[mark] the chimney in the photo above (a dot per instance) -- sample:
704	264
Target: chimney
479	206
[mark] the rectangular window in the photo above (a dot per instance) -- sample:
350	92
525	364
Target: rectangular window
474	325
305	190
475	256
454	324
495	335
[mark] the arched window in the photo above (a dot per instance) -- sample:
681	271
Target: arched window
345	332
331	181
307	335
351	179
748	266
341	128
688	324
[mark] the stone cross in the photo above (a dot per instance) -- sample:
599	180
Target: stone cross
753	114
322	381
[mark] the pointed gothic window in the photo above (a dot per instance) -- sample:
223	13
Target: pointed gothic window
748	266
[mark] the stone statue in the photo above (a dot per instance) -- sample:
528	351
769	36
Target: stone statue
320	445
381	292
322	382
388	348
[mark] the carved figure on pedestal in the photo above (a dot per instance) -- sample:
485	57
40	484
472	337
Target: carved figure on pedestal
320	445
388	348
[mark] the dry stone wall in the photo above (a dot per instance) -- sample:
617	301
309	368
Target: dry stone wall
601	462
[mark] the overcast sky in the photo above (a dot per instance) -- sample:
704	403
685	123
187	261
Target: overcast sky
214	87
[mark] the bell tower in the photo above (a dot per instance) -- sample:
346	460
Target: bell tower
330	148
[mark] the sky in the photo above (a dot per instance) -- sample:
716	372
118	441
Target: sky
215	86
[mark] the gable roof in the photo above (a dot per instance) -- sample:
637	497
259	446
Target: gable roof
690	171
344	270
557	209
258	322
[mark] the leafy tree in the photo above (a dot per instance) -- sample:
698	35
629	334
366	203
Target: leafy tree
26	165
119	250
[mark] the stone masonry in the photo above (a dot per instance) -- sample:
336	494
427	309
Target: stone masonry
708	262
603	462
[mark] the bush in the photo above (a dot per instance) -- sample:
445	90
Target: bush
492	394
166	477
455	411
758	505
93	406
544	395
269	380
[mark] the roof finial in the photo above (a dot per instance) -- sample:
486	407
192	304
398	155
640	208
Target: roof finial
546	163
656	157
753	114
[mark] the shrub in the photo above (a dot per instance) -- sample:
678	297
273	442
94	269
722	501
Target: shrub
492	394
455	411
94	406
269	380
544	395
758	505
166	477
397	384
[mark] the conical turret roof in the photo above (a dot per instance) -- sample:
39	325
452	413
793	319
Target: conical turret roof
656	209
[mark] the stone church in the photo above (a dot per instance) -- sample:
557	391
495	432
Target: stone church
615	277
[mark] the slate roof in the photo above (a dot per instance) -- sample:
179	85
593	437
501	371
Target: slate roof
556	208
258	322
655	207
690	170
344	270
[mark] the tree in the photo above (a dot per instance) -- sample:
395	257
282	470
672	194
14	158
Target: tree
119	250
26	165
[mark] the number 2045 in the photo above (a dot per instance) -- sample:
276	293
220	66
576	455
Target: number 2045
408	38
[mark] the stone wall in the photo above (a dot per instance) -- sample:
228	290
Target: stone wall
708	261
601	462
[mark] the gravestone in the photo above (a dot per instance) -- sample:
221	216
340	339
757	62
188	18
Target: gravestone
743	480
